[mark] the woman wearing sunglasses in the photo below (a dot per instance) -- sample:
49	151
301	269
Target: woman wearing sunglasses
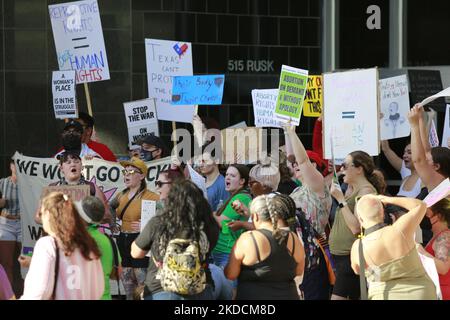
129	211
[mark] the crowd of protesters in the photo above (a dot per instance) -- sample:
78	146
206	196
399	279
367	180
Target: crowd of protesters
270	230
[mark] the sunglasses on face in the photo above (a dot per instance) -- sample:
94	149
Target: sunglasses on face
159	184
132	171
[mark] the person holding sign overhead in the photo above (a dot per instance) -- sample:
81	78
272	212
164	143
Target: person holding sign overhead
128	205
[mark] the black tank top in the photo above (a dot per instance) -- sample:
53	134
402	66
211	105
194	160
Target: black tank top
272	278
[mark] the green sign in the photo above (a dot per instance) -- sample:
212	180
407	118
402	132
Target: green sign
292	88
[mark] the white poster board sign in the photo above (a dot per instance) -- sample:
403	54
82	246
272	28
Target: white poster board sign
199	180
64	96
148	211
166	59
394	104
141	119
351	112
264	102
446	131
78	35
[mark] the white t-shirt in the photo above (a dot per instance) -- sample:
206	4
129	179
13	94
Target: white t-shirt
404	171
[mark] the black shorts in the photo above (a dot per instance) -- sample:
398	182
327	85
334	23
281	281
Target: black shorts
347	282
124	241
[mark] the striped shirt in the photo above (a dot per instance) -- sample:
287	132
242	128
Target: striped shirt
10	191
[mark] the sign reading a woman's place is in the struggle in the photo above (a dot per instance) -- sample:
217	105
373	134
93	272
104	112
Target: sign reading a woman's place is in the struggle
64	99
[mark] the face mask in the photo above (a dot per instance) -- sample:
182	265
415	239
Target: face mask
146	155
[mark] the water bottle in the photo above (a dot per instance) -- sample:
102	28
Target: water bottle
219	205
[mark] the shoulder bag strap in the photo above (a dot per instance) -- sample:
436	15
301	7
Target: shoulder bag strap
56	269
128	203
362	269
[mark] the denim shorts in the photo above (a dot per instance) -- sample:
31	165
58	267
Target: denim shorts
10	230
207	294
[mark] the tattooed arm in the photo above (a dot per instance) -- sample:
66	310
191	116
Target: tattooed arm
441	247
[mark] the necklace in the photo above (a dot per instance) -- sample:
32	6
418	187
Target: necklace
374	228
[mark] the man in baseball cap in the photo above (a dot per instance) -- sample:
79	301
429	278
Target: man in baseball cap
153	148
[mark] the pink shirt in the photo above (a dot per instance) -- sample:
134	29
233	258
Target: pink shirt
78	278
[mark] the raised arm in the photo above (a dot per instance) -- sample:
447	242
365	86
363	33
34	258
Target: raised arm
391	156
199	130
311	176
317	137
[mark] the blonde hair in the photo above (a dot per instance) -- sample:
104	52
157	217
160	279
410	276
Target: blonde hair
368	207
266	173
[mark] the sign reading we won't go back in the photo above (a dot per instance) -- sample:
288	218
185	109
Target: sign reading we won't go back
78	35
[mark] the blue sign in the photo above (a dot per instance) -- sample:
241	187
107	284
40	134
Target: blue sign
195	90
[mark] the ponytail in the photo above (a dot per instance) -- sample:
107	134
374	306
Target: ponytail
377	181
277	233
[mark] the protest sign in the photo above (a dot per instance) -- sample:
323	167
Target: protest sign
291	92
394	104
76	193
195	90
264	102
440	192
198	179
148	211
432	135
312	106
242	145
425	83
441	94
34	174
64	97
165	60
351	112
446	131
141	119
78	35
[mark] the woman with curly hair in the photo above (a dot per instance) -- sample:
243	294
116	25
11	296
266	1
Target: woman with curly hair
266	260
186	215
65	264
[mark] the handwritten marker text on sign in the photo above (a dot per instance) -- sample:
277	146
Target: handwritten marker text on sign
195	90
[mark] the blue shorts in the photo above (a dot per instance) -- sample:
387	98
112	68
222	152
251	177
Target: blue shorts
10	230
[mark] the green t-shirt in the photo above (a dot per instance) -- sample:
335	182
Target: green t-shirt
227	237
107	258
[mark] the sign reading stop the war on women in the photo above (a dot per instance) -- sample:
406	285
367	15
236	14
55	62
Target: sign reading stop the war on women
313	104
291	93
78	35
195	90
165	60
64	98
141	119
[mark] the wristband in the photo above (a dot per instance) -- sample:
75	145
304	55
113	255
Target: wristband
342	204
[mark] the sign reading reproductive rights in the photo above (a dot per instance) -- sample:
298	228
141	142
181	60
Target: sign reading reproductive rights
141	119
264	102
78	35
64	98
195	90
292	88
165	60
312	106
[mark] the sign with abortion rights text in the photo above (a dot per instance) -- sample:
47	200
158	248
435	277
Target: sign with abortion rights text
291	92
165	60
351	112
394	104
195	90
35	174
78	35
264	102
141	119
64	96
312	106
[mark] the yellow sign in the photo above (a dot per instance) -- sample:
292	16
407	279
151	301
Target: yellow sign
312	106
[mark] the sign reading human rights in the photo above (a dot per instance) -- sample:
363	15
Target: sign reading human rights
165	60
291	92
64	97
78	35
264	102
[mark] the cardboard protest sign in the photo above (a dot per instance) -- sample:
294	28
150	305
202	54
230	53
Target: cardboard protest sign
165	60
425	83
292	88
242	145
141	119
35	174
264	102
351	112
78	35
394	104
440	192
148	211
76	193
312	106
195	90
64	96
446	131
